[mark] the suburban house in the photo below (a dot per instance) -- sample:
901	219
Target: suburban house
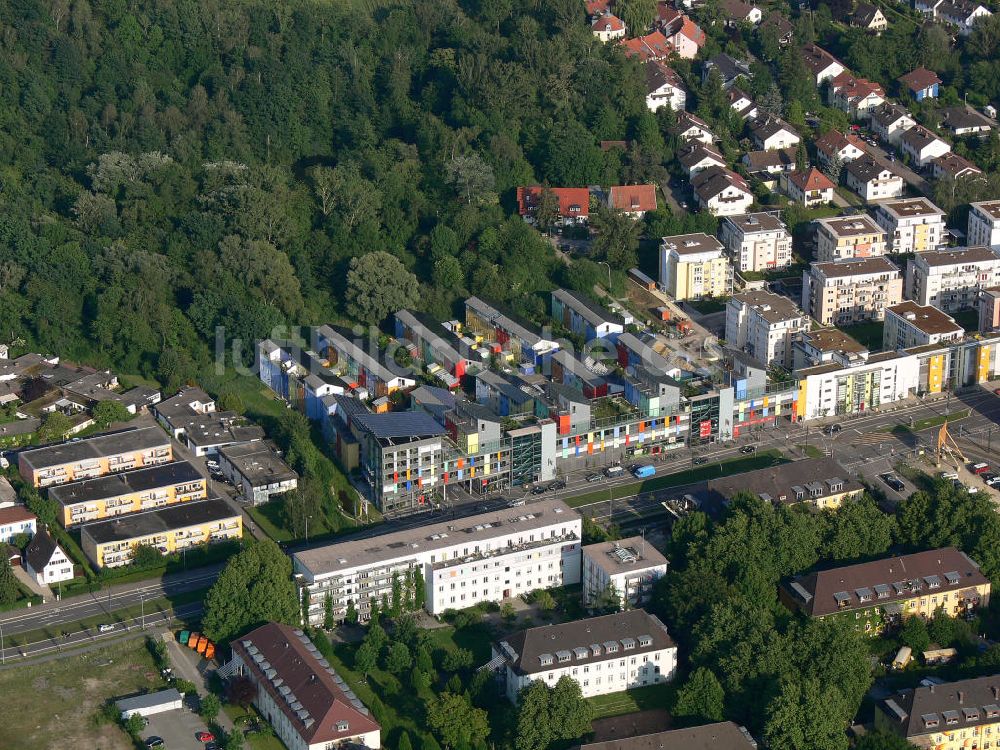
729	68
767	166
783	29
855	96
608	27
771	133
920	83
653	46
634	200
695	156
835	145
912	225
958	714
909	324
687	39
870	18
625	569
45	560
890	121
722	192
757	242
742	104
300	695
961	14
872	181
735	12
848	237
809	187
873	594
954	166
14	521
984	224
606	654
922	146
961	121
821	64
664	87
693	266
584	317
690	127
574	203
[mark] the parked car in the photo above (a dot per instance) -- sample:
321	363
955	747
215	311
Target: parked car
205	737
154	742
539	489
557	485
517	501
699	460
613	471
748	449
979	468
990	478
893	481
594	477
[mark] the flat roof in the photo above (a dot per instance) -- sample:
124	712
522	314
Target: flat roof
760	221
691	244
925	318
956	256
833	340
149	700
724	735
158	521
98	446
407	542
770	306
849	226
907	208
258	463
990	208
856	267
124	483
624	555
532	644
780	484
180	404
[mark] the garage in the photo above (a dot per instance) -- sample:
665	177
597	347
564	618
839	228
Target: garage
150	703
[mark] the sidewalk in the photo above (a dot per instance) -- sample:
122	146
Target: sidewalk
32	585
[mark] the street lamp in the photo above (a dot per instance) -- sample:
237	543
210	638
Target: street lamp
605	263
142	610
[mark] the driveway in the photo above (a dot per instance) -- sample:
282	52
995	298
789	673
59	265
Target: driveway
32	585
910	177
191	666
177	728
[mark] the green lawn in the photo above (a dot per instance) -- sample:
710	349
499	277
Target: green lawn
968	319
730	466
867	334
630	701
811	451
709	305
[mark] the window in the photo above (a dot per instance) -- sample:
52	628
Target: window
342	726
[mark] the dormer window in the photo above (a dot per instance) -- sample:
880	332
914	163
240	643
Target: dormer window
342	726
545	660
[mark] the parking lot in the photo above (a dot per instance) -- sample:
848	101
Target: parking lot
177	729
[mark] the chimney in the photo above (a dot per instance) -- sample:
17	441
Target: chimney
961	696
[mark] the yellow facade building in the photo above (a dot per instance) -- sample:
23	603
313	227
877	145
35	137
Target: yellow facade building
112	542
95	456
693	266
128	492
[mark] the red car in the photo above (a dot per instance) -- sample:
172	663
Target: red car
997	391
205	737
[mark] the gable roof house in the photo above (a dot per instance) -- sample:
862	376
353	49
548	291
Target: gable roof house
742	104
721	192
634	200
781	25
664	87
834	144
870	18
871	180
653	46
574	203
961	121
45	560
770	133
730	69
695	156
808	188
735	12
890	121
922	145
855	96
687	39
961	13
608	27
954	166
767	165
821	64
920	83
690	127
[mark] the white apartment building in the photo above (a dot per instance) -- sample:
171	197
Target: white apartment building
867	381
851	291
952	279
627	568
461	562
912	225
757	241
984	224
693	266
763	325
606	654
16	520
847	237
909	324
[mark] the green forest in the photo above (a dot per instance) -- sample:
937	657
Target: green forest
170	167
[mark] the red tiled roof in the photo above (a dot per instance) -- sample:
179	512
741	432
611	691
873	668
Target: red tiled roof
650	47
16	514
919	79
607	21
572	201
313	687
596	7
692	31
633	197
668	16
811	179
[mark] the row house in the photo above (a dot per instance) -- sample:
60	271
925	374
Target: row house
434	345
585	317
574	203
357	361
506	335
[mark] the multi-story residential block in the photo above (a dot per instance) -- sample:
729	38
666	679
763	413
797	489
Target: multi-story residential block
96	456
922	146
757	242
724	735
519	342
306	702
952	279
873	594
574	203
821	483
606	654
909	324
45	560
848	237
459	562
989	309
912	225
962	714
851	291
693	266
664	88
357	361
625	569
722	192
890	121
584	317
14	521
256	471
984	224
808	187
89	500
763	325
872	181
111	543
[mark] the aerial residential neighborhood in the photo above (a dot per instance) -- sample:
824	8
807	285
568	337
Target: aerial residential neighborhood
602	375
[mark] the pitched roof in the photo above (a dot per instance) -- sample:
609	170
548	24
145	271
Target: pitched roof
852	88
758	161
866	169
918	138
735	9
607	22
779	22
632	197
865	14
650	47
955	165
961	118
887	114
780	483
951	707
728	66
669	17
686	121
695	151
298	668
659	75
725	735
712	181
768	125
811	179
16	514
919	79
572	201
596	7
692	31
818	59
833	142
40	550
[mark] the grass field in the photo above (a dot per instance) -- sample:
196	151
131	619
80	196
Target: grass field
730	466
640	699
924	424
867	334
56	704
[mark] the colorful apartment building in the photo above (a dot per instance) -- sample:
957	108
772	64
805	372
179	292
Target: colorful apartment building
584	317
443	353
848	237
912	225
357	362
112	542
298	376
506	337
95	456
128	492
